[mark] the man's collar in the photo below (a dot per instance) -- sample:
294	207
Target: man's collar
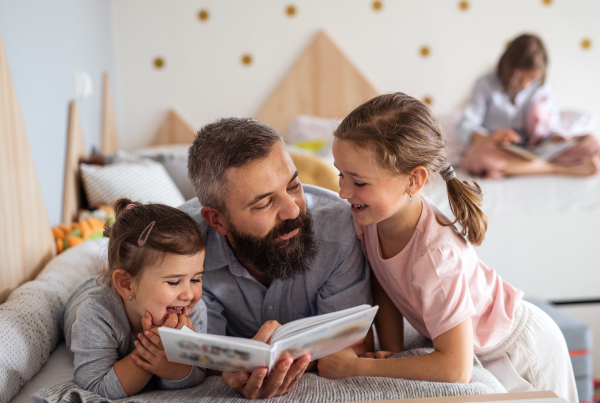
219	254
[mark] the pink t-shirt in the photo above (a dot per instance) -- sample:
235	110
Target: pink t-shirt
437	281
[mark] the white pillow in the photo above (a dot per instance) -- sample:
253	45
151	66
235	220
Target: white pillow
305	128
130	176
31	318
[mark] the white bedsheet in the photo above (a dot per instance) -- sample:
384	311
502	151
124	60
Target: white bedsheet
528	195
58	369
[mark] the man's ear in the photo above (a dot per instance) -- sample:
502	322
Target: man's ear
123	283
418	178
215	219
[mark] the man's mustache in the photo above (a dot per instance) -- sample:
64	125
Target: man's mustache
285	227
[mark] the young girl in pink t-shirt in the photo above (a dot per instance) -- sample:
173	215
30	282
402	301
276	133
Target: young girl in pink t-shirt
425	270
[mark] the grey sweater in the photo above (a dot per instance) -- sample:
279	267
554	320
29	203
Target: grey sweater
98	333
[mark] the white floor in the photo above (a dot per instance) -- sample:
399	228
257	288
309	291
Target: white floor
590	314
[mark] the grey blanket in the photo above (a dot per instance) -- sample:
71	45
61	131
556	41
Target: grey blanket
310	388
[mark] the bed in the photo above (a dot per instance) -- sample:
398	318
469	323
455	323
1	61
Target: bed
36	282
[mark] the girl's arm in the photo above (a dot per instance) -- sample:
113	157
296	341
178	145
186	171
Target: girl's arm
452	361
388	321
131	377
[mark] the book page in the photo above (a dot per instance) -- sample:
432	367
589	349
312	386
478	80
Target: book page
329	337
223	353
300	325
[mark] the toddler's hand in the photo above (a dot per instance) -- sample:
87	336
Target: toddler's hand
152	358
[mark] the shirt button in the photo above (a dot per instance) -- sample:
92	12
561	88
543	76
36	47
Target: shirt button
271	307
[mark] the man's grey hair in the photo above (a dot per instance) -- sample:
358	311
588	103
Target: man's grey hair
226	143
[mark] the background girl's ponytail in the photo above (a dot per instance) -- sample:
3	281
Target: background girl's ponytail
465	202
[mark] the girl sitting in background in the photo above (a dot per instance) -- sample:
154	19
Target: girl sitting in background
154	278
514	105
425	270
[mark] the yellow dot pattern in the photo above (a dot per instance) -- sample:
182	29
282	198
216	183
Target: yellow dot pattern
377	5
424	51
547	2
290	10
463	5
247	59
427	100
159	63
586	43
203	15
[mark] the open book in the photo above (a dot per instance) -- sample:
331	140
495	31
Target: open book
545	151
318	336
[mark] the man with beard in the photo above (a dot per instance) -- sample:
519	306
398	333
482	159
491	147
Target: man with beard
276	250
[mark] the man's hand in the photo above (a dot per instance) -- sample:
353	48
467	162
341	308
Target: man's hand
342	364
557	138
505	136
285	375
152	358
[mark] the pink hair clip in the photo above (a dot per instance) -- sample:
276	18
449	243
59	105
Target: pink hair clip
142	242
130	205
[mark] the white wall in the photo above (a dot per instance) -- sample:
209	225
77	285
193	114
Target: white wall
204	79
45	43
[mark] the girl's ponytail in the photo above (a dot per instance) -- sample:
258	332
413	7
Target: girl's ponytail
465	203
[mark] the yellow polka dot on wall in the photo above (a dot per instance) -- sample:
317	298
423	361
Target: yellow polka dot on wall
377	5
463	5
247	59
424	51
159	63
547	2
203	15
586	43
290	10
427	100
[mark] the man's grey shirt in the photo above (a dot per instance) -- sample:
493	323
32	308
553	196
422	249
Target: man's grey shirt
338	277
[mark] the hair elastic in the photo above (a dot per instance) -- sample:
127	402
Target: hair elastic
448	173
130	205
142	242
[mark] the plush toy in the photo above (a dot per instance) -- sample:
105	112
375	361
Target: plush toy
90	226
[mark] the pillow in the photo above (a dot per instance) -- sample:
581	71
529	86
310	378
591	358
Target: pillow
174	158
130	176
31	318
308	128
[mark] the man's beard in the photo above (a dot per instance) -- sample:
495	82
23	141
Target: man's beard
278	258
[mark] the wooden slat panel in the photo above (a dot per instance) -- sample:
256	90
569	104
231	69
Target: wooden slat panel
174	130
75	152
26	241
322	83
110	135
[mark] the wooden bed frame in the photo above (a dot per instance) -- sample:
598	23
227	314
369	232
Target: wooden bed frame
26	241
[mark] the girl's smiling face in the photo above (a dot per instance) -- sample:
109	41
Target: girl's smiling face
375	193
173	286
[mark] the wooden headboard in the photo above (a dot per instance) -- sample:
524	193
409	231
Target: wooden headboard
26	241
323	83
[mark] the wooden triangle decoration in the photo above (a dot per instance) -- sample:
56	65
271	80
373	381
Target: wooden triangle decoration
75	153
26	241
174	130
323	83
110	136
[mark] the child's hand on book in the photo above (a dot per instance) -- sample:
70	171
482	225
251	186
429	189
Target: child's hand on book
152	358
342	364
174	321
380	355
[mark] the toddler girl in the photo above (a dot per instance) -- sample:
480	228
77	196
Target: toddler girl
425	270
154	278
513	105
